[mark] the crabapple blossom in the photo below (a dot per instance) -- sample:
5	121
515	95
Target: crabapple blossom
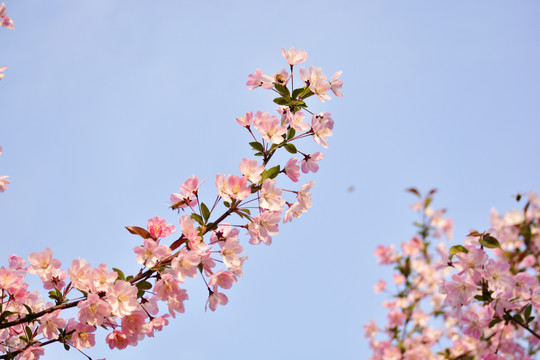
93	310
322	126
2	75
258	79
251	170
5	20
294	56
309	162
216	298
245	120
292	170
271	196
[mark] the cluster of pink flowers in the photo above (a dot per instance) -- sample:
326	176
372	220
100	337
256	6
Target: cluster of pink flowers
134	307
473	301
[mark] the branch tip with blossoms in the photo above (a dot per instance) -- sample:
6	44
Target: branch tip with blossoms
486	292
134	307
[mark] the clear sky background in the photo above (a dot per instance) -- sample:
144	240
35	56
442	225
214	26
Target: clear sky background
108	106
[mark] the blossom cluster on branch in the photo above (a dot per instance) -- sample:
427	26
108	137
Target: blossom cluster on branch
134	307
479	300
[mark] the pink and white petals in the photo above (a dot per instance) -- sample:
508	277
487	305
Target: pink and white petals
5	20
294	56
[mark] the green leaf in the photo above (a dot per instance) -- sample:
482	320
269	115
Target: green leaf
307	94
480	297
144	285
257	146
67	347
28	332
490	242
246	211
197	218
528	311
518	318
299	104
290	148
494	322
258	154
205	212
297	92
129	278
227	204
29	309
457	249
281	101
290	133
272	172
282	90
121	275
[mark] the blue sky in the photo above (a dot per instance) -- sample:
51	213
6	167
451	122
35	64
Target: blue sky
108	106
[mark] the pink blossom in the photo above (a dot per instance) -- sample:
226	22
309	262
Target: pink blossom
223	279
259	79
336	84
316	82
216	298
294	210
322	126
294	56
151	253
117	339
4	182
270	197
133	325
304	196
232	187
50	323
379	286
2	75
386	254
102	279
156	324
395	318
296	120
82	338
269	127
122	296
371	329
309	162
399	279
230	252
262	226
32	352
93	310
249	169
42	263
185	264
281	77
158	228
80	274
292	170
188	193
245	120
4	19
